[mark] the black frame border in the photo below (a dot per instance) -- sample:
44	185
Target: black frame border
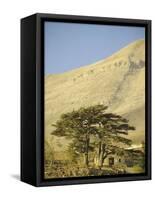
41	18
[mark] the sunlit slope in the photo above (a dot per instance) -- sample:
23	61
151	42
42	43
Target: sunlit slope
117	81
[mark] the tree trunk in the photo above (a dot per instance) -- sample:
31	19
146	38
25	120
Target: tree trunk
87	151
103	154
86	159
100	153
103	158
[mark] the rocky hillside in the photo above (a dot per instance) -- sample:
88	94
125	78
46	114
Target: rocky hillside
117	81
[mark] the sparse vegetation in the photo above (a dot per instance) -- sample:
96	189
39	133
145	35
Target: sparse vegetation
94	135
97	148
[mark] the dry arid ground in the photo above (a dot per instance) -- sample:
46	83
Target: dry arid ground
117	81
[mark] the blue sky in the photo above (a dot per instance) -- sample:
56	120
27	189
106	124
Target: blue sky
69	45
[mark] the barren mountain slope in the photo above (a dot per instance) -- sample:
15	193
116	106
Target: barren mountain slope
117	81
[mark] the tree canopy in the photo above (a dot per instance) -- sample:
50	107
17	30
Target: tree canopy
92	129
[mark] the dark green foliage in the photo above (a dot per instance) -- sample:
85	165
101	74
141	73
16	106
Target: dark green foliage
92	128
